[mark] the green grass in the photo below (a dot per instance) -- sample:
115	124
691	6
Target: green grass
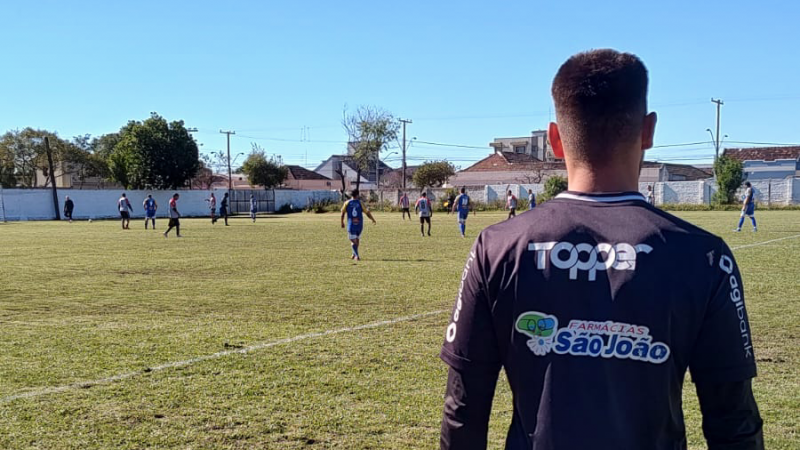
86	301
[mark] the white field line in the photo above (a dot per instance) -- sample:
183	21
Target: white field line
263	345
765	242
188	362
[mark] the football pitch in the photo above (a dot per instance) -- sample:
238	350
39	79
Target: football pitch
267	335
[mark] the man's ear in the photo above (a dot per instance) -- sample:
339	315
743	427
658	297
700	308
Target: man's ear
648	130
555	140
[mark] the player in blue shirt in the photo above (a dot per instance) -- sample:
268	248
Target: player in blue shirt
531	199
253	207
462	205
354	210
150	207
748	207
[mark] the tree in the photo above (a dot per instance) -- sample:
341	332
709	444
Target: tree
433	174
553	186
23	155
263	171
532	176
369	130
730	176
154	154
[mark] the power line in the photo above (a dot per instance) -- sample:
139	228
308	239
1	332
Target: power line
763	143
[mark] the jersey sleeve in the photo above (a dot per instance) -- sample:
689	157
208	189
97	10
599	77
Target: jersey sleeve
723	351
470	339
344	206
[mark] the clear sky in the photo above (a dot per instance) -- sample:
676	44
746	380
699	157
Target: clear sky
465	72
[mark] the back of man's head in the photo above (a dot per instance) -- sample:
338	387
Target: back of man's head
601	102
463	190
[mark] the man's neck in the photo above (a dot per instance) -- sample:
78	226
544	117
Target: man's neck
583	179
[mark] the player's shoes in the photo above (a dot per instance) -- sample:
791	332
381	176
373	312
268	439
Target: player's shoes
429	233
755	229
358	258
165	234
736	230
179	236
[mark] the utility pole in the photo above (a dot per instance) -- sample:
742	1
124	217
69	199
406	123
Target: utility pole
52	176
404	122
716	145
230	176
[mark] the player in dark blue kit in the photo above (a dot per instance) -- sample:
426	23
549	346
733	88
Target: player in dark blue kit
748	207
461	206
596	303
354	211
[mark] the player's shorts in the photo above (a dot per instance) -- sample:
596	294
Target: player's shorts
223	211
354	232
68	214
406	210
150	214
750	209
462	216
512	211
125	214
174	222
425	219
213	211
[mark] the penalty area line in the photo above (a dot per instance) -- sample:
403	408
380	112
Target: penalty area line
191	361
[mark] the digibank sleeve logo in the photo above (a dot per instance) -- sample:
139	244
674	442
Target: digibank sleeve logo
540	328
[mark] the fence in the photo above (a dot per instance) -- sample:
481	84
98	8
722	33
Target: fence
37	204
767	192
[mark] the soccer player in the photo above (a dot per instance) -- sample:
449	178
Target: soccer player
462	205
511	204
150	207
253	207
597	311
748	208
223	208
69	206
651	198
354	210
125	210
174	216
531	199
212	205
423	207
404	205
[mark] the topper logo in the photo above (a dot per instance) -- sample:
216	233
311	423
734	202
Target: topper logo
587	257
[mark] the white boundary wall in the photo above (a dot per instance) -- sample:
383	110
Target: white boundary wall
775	192
37	204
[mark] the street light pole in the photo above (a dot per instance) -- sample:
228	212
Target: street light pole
230	176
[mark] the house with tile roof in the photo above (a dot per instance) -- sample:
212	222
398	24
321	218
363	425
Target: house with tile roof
762	163
300	178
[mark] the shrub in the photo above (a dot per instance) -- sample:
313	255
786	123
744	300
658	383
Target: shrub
730	175
552	187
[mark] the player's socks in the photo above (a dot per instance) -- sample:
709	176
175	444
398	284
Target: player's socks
463	229
741	222
753	219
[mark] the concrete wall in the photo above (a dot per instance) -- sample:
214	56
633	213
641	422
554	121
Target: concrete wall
37	204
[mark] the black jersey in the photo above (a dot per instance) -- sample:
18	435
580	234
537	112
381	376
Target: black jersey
596	306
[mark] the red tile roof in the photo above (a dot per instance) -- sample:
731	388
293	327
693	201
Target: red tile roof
506	161
763	153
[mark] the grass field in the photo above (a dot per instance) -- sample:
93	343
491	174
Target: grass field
83	302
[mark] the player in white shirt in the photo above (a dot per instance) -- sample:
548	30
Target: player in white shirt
748	207
125	209
423	206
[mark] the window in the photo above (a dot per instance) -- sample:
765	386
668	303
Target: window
519	149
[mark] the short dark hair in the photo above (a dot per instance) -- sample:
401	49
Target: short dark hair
747	183
354	193
463	190
601	99
424	194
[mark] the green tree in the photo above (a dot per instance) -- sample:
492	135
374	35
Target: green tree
22	154
154	154
730	176
552	187
370	130
263	171
433	174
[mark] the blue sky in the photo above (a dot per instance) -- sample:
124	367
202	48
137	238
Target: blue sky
465	72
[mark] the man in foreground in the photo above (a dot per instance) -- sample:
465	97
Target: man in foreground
598	310
748	208
461	206
174	216
354	210
425	210
125	210
150	208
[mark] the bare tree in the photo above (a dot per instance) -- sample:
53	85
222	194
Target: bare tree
369	130
532	176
